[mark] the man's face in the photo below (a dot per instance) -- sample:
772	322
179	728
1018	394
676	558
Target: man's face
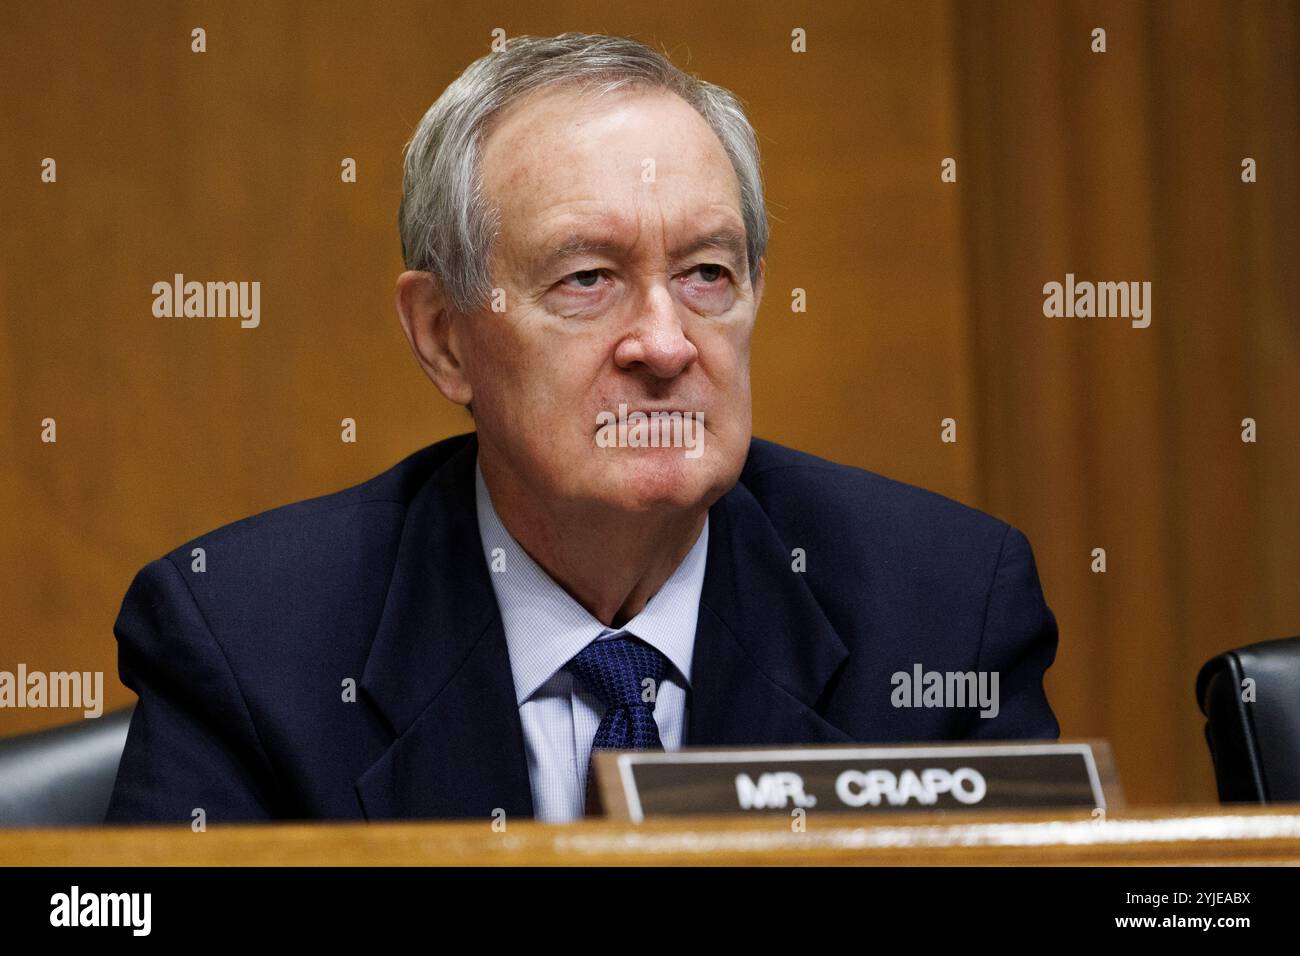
646	316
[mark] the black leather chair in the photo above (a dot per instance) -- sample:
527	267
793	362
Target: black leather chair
1255	745
62	776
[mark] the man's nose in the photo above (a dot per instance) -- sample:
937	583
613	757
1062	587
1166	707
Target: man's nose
657	341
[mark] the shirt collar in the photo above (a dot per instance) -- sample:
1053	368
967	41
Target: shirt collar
545	626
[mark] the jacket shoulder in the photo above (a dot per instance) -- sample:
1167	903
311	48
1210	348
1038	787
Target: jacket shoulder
805	492
301	521
318	567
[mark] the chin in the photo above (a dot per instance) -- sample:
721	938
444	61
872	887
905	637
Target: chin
658	479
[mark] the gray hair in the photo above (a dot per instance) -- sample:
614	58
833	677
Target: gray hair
446	223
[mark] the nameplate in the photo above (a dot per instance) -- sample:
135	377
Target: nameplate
636	784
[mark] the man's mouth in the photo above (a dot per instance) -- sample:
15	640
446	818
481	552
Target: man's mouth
661	427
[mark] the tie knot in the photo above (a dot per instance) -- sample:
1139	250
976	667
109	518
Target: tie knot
621	671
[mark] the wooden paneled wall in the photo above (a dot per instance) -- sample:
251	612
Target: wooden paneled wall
924	297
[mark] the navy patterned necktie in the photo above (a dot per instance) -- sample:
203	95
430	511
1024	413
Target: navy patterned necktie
625	673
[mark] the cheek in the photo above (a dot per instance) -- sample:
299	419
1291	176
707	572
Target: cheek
726	358
742	337
548	396
504	360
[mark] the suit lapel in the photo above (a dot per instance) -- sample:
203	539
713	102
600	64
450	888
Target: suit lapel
439	669
764	650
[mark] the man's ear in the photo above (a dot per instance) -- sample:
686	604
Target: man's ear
429	321
758	283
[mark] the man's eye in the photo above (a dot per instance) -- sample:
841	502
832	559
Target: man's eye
710	272
586	278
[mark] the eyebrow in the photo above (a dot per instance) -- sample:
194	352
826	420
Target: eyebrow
727	240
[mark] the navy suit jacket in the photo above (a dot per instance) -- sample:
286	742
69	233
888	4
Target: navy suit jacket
242	668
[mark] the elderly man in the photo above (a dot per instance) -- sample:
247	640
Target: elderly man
609	560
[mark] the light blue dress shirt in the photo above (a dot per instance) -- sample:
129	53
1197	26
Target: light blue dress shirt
545	628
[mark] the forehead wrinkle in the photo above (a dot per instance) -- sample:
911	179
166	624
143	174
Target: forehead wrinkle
607	236
526	172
